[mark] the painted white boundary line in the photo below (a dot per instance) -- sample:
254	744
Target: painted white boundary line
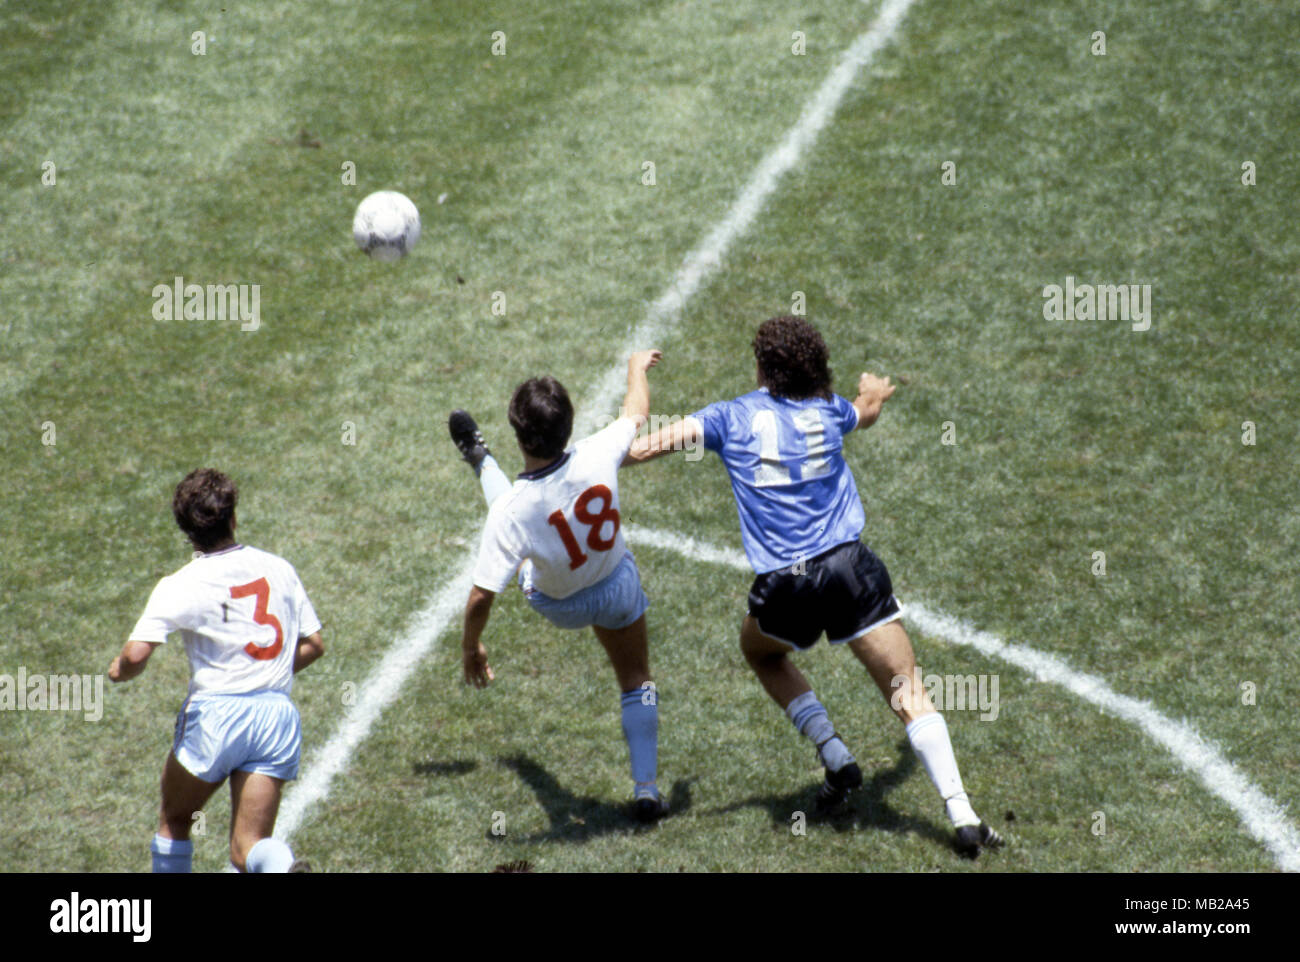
706	258
376	693
382	686
1262	817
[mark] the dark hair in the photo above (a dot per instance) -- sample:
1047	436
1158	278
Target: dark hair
204	507
542	416
792	358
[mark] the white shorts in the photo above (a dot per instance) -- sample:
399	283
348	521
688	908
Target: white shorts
259	732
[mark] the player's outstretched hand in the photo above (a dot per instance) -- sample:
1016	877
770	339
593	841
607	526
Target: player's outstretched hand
644	360
477	670
877	388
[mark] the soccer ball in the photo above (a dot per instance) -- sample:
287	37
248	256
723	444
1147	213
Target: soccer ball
386	225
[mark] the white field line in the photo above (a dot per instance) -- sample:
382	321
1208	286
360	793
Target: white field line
386	680
375	694
662	316
1262	817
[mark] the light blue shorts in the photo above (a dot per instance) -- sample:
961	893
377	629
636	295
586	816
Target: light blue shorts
615	602
256	732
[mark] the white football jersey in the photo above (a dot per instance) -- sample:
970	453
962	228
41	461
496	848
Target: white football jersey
561	523
240	612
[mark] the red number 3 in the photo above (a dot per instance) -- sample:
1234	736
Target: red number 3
262	591
582	511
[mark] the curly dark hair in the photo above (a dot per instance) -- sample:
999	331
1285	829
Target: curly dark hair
792	358
204	507
542	416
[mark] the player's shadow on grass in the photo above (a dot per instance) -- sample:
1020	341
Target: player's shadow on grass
575	818
866	807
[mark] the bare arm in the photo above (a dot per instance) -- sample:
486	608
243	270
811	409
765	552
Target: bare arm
636	404
309	649
681	436
131	661
473	655
873	392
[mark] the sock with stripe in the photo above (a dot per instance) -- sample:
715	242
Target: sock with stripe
929	737
171	854
492	478
641	729
809	717
268	855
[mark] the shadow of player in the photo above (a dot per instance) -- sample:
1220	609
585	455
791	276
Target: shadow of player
575	818
866	806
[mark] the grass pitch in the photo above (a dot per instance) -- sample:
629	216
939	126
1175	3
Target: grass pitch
1072	437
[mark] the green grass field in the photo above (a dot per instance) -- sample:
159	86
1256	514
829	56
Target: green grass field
1072	437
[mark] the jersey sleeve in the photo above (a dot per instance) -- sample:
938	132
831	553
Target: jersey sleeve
308	623
614	440
501	552
846	413
713	424
164	613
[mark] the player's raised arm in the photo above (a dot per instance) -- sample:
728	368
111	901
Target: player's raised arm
473	655
873	392
636	404
131	661
683	435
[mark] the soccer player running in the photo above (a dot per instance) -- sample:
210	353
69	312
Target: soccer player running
248	627
801	519
559	527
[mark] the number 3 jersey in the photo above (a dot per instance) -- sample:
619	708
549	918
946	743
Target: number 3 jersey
794	492
560	525
240	612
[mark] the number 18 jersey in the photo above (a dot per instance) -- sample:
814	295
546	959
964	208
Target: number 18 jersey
794	491
560	524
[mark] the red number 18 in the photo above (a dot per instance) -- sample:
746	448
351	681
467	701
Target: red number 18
582	511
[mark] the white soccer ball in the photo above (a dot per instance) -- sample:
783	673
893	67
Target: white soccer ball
386	225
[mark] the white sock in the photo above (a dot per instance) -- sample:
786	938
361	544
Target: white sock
960	812
929	737
807	714
493	479
269	855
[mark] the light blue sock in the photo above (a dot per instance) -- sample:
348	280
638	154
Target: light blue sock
269	855
493	479
171	854
641	729
807	714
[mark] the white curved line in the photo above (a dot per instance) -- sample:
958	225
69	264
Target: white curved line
1262	817
384	683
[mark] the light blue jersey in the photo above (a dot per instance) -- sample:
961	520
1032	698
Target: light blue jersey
794	492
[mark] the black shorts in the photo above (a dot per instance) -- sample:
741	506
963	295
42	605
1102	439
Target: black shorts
844	592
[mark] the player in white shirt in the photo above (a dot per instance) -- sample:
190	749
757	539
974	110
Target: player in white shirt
559	527
247	626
